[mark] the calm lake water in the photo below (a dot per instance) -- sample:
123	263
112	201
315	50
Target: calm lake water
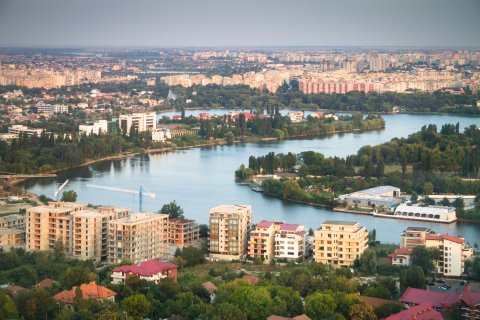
199	179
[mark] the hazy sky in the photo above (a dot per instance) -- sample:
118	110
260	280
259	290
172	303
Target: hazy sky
157	23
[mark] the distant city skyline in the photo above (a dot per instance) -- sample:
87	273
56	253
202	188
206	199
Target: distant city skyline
215	23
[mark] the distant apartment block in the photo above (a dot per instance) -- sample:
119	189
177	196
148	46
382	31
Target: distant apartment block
290	242
11	238
262	240
228	231
140	121
12	221
95	128
45	108
19	129
138	237
339	243
182	232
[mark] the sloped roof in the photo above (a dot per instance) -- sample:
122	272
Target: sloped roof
147	268
375	302
445	237
89	291
440	299
46	283
423	311
210	287
252	279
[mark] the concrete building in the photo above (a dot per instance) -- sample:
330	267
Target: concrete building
96	128
150	270
339	242
138	237
141	122
19	129
12	221
262	240
229	225
45	108
11	238
183	232
383	196
454	252
290	242
82	231
89	232
161	134
296	116
430	213
400	257
414	236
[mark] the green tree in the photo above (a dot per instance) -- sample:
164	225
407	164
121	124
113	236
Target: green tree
173	210
34	304
362	311
136	306
422	257
368	262
69	196
229	137
228	311
8	309
320	306
77	275
412	277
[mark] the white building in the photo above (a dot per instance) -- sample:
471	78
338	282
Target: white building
454	253
161	134
383	196
290	242
150	270
19	129
45	108
141	121
296	116
95	128
430	213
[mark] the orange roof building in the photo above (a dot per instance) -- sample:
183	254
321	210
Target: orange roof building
89	291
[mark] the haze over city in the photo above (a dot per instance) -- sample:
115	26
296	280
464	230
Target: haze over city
57	23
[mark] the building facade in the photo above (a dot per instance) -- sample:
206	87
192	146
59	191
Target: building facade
339	242
290	242
454	251
140	121
183	232
138	237
262	241
150	270
95	128
229	225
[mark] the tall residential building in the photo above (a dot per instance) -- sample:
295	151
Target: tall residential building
350	66
377	62
229	225
45	225
414	236
454	251
262	240
183	232
96	128
290	242
141	121
89	232
339	242
138	237
82	231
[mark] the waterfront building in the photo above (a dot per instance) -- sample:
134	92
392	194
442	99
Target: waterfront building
183	232
339	242
140	121
430	213
19	129
89	232
161	134
383	196
414	236
138	237
89	291
290	242
11	238
95	128
454	252
150	270
229	225
262	240
296	116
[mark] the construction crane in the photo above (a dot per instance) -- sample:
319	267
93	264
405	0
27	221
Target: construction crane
140	193
60	189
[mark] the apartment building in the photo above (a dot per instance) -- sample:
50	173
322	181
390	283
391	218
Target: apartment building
12	221
290	242
11	238
229	225
339	242
296	116
454	252
96	128
19	129
89	232
141	121
45	225
414	236
183	232
138	237
262	240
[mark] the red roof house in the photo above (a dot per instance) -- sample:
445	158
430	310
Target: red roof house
89	291
424	311
150	270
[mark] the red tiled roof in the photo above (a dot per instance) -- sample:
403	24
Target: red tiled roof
423	311
147	268
265	224
300	317
375	302
445	237
440	299
210	287
289	227
46	283
402	251
252	279
89	291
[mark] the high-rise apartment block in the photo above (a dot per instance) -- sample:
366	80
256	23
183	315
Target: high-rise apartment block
262	240
229	225
454	251
81	230
140	121
377	62
138	237
183	232
339	242
96	128
290	242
